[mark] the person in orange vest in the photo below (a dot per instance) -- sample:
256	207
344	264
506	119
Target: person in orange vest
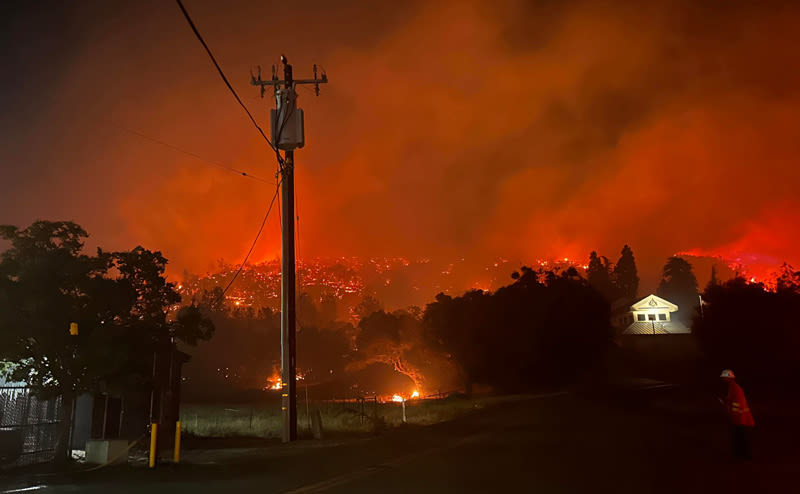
739	416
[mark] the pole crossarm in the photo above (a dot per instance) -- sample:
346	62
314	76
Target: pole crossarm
288	81
280	82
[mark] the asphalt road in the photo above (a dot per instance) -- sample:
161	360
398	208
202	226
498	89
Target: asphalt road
556	443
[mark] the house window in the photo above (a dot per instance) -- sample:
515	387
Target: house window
651	317
640	317
662	317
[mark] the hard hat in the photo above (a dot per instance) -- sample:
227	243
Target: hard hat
728	373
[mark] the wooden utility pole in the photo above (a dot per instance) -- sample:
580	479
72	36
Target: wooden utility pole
287	130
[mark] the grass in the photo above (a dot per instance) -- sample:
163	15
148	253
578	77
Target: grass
264	420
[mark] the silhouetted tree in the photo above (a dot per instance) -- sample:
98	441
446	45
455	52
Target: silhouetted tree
788	280
679	286
753	331
713	281
599	277
327	310
528	334
367	306
213	301
119	300
626	277
458	327
321	353
389	339
141	274
414	311
378	326
307	312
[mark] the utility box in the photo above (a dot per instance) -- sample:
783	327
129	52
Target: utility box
101	451
287	130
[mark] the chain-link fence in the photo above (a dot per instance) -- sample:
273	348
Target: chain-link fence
28	427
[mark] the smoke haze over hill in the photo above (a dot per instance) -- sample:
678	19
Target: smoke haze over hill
515	129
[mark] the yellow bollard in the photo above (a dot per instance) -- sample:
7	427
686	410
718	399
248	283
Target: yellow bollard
176	455
153	439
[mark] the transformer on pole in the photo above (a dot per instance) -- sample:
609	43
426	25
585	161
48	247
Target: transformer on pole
288	134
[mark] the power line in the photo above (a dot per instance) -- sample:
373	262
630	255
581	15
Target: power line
189	153
280	215
255	124
297	241
255	240
225	79
308	90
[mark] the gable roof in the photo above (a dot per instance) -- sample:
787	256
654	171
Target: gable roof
653	302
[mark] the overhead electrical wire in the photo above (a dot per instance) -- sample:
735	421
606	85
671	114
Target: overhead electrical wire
255	240
189	153
225	80
260	131
280	213
297	241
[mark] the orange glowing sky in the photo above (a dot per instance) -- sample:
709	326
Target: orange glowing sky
448	129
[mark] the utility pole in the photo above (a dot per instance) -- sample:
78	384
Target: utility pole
287	132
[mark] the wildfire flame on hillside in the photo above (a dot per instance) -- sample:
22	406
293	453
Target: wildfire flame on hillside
754	269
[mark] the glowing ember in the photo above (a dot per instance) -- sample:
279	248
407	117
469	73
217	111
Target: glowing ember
398	398
415	394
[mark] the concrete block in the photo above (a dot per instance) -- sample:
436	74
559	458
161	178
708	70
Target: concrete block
102	451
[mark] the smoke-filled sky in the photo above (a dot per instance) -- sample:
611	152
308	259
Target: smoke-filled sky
502	128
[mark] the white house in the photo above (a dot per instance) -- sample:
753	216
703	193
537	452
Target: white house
650	315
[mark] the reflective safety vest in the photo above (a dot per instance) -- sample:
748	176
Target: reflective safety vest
736	404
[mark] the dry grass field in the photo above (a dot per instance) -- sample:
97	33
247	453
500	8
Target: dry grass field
264	420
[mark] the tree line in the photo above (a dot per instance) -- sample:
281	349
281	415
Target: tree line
544	329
